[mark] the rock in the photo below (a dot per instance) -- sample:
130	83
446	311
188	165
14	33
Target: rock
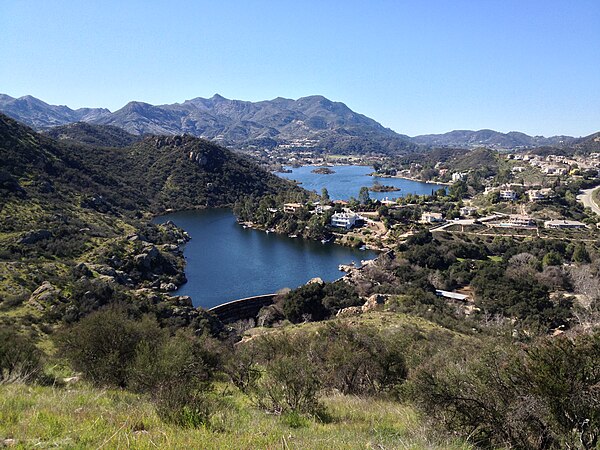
374	302
71	380
105	270
182	300
35	236
315	280
349	312
82	269
168	287
45	295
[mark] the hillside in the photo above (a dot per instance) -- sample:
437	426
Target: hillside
62	204
98	135
312	121
489	138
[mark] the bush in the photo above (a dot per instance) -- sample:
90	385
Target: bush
103	345
280	375
545	396
359	360
20	360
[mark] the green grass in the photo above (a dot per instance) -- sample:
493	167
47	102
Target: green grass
84	417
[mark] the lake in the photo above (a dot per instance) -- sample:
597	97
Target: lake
347	181
226	262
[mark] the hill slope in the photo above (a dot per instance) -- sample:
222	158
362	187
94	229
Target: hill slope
63	203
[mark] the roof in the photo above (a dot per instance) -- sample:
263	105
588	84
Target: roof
452	295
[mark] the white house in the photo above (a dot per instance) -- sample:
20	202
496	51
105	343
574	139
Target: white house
291	207
431	217
468	210
344	220
508	194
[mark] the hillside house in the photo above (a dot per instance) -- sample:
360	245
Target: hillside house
564	224
431	217
291	207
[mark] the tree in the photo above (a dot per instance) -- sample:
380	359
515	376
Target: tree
363	195
325	200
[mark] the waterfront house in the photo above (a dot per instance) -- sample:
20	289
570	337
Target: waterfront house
344	220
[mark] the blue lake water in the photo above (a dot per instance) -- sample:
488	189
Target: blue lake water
347	181
226	262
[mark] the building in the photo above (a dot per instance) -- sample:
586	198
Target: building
538	195
291	207
518	221
344	220
508	194
468	211
564	224
459	176
431	217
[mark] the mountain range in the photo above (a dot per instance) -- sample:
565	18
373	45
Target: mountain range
313	121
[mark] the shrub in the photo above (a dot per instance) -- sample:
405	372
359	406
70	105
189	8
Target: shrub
103	345
544	396
19	357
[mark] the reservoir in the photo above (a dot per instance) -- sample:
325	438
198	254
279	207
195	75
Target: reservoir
226	262
347	181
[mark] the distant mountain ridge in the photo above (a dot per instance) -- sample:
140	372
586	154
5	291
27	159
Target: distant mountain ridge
311	121
490	138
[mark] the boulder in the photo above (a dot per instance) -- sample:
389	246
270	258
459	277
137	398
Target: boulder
45	295
168	287
315	280
374	302
351	311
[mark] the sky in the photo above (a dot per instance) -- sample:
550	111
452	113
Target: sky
417	67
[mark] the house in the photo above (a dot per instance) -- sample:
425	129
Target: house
344	220
508	194
564	224
538	195
518	169
459	176
431	217
468	211
320	209
518	221
291	207
554	170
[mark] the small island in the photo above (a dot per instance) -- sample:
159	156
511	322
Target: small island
378	187
323	171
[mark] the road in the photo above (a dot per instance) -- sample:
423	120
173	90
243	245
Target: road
586	198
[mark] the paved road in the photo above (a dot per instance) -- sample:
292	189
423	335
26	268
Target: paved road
587	199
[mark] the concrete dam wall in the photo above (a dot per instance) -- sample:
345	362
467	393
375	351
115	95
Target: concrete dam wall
242	309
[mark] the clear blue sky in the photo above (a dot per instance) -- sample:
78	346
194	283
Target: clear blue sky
415	66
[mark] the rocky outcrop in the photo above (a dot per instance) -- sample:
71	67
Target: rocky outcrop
351	311
374	303
35	236
45	296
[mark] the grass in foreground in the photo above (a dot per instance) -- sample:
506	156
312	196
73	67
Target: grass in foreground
84	417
